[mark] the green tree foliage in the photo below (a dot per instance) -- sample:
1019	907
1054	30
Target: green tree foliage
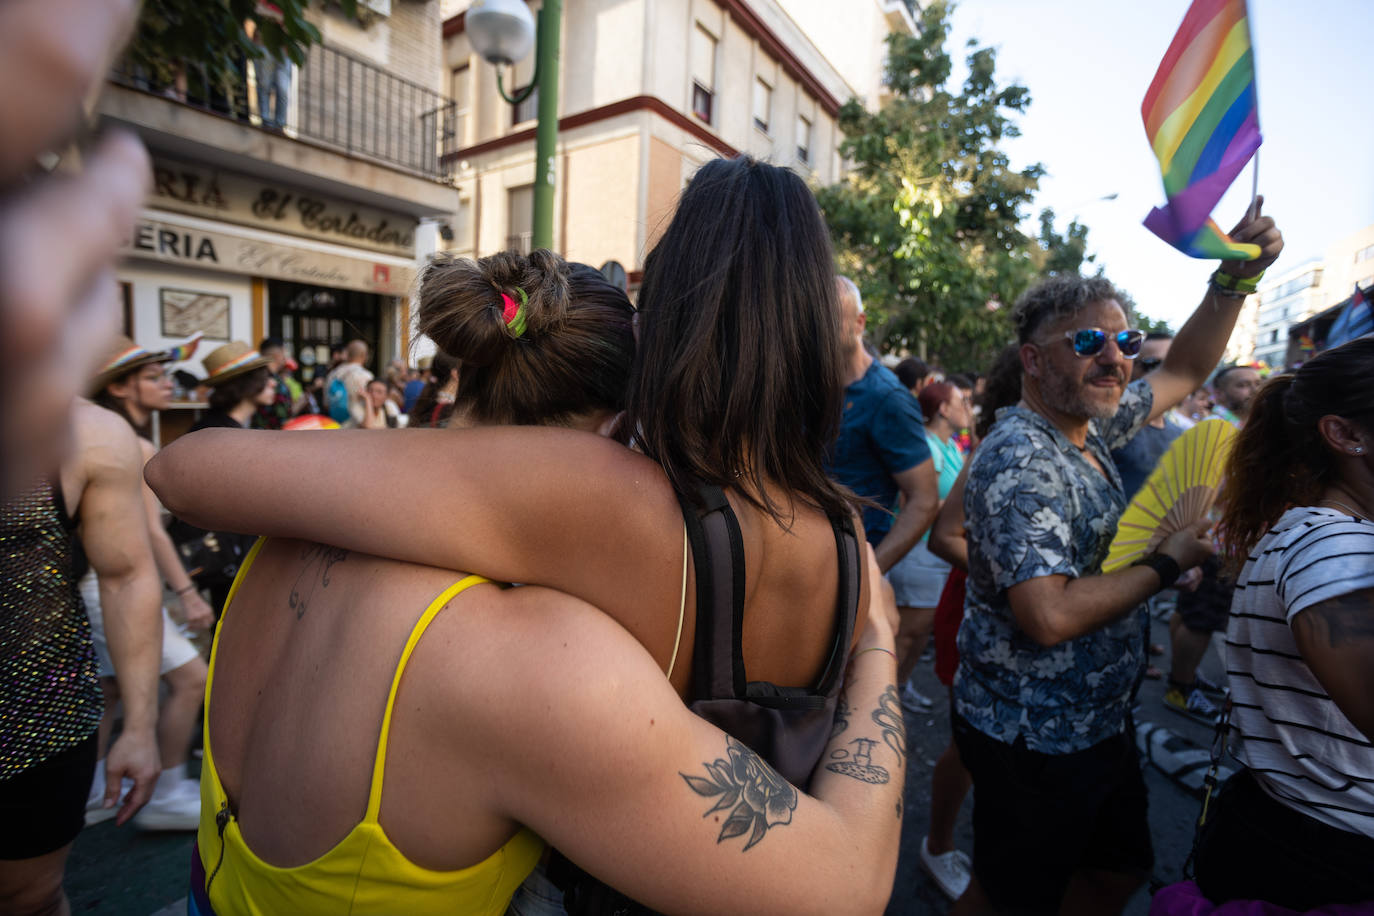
927	221
204	41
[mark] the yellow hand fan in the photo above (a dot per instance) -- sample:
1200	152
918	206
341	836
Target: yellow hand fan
1179	492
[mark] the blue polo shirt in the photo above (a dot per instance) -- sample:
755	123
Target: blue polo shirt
881	434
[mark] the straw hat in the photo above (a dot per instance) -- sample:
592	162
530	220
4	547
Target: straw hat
124	357
230	361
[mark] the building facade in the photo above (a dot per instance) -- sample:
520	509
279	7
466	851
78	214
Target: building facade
309	229
1277	318
1284	300
649	90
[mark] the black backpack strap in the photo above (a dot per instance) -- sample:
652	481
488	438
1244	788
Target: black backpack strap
718	560
847	603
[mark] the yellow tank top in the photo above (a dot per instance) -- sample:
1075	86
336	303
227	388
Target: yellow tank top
364	873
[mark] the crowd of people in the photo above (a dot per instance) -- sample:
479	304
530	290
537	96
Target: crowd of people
735	531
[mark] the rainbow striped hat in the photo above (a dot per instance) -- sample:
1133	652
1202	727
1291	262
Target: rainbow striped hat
125	356
230	361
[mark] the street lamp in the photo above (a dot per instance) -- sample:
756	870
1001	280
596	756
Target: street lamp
501	31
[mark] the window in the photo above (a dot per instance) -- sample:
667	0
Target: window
1364	254
520	218
459	89
763	104
703	73
527	110
803	139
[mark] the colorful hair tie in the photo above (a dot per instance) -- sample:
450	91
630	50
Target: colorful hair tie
514	314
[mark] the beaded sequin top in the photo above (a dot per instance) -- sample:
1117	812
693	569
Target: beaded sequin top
49	695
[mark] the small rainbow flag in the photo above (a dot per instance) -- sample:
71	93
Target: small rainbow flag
185	351
1202	118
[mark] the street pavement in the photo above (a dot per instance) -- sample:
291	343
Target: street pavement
125	872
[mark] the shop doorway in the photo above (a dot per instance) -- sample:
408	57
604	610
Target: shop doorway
310	320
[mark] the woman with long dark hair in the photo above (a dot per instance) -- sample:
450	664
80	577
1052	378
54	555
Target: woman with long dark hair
1295	827
734	393
520	709
736	385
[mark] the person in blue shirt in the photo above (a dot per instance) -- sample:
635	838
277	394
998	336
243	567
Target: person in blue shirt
881	454
1051	647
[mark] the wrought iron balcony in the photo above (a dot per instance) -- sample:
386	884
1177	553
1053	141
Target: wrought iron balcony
337	100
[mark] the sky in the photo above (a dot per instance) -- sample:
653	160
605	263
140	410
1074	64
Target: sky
1088	63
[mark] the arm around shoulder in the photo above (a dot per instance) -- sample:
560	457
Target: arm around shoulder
667	808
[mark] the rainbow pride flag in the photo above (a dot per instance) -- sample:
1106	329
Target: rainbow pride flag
1202	118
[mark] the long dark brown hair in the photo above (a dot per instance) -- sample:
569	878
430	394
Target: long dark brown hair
1280	459
739	374
572	358
1002	389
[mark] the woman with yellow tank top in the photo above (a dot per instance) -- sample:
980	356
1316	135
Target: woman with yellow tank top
383	737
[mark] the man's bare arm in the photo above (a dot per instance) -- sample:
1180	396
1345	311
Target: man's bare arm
1054	609
1336	639
169	566
115	538
920	501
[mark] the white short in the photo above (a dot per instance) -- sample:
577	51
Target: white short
177	650
919	577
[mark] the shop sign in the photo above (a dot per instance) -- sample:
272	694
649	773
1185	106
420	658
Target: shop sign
162	240
235	198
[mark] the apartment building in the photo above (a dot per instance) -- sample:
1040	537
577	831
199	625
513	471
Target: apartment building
309	230
649	90
1284	300
1302	301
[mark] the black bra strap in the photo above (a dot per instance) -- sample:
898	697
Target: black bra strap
718	673
847	547
718	560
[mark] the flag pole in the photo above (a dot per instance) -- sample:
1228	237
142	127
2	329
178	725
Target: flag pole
1253	211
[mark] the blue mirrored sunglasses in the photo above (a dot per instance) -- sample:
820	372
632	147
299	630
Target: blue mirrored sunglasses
1090	341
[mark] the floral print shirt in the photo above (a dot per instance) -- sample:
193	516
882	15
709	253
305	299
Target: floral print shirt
1036	507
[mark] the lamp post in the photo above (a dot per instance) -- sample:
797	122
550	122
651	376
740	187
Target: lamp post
501	31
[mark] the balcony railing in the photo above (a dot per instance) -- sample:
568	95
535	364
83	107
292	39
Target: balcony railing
341	101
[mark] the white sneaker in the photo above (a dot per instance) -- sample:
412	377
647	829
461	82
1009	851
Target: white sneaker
950	870
914	700
176	810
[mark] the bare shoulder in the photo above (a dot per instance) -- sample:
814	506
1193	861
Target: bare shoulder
525	651
104	441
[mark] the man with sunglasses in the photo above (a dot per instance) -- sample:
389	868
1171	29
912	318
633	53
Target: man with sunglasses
1050	648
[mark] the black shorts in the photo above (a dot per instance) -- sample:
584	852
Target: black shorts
1038	818
1256	848
43	808
1208	608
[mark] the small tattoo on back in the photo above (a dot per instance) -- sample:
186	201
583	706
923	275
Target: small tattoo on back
318	562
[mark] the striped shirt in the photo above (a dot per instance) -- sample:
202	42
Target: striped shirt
1292	736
